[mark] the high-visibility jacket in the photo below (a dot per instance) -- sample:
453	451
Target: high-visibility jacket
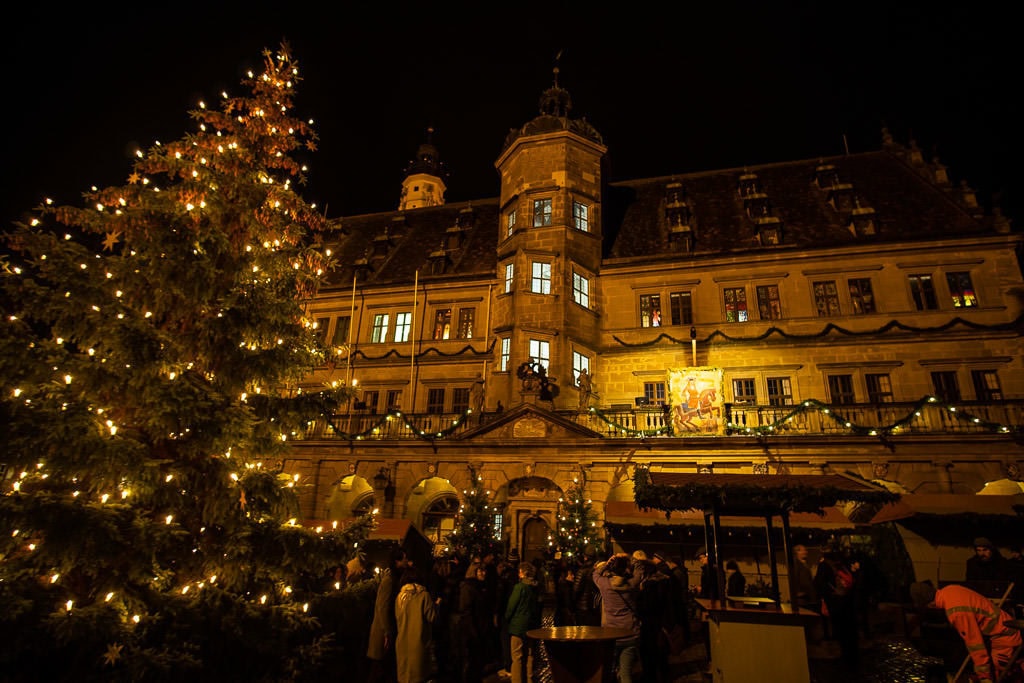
975	618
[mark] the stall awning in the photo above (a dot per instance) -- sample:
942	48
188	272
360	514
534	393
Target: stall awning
748	494
948	504
627	512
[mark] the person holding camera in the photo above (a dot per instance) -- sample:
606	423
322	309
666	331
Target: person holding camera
619	587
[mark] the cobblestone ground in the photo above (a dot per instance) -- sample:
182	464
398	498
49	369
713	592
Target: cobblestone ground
888	659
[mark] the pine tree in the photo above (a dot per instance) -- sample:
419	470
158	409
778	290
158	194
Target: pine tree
576	529
473	534
151	354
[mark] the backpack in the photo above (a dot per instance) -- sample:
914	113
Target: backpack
844	582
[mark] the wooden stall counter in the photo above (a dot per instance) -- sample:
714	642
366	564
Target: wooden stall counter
757	639
579	654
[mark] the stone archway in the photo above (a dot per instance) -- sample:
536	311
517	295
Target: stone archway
351	497
529	506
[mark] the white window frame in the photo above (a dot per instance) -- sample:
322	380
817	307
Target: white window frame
581	216
540	352
403	326
506	354
510	274
581	289
579	361
546	210
381	324
540	279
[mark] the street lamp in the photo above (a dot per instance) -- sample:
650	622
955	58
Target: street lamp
693	344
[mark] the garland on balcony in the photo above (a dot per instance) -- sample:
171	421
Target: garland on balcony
629	431
830	328
860	430
790	498
426	435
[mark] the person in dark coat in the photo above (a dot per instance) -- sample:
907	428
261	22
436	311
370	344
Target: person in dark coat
835	584
987	571
474	616
585	594
381	647
708	576
802	584
655	609
565	600
735	582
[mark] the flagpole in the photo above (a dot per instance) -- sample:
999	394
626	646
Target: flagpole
412	345
348	341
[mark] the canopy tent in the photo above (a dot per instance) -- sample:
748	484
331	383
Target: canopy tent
956	519
720	496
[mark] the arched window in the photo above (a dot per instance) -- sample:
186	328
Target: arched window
439	518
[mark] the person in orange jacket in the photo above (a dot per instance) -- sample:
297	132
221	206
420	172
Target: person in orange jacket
975	618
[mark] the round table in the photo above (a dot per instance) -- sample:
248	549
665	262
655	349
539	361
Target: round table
580	654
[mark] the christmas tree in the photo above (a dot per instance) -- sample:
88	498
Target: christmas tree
152	350
577	529
473	534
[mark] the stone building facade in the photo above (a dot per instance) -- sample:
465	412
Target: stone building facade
858	314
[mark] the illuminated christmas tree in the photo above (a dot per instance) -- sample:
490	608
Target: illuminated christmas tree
474	525
577	528
151	353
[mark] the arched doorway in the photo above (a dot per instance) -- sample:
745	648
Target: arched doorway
439	518
536	537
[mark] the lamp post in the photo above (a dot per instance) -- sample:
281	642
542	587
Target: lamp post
693	344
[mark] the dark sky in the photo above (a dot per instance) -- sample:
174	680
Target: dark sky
672	87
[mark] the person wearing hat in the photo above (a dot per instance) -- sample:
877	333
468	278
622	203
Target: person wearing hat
987	569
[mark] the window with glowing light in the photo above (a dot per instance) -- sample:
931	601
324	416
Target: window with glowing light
506	353
579	362
826	298
465	329
650	310
581	216
735	304
540	282
439	518
509	276
961	289
581	289
403	326
540	352
379	332
780	391
744	390
443	323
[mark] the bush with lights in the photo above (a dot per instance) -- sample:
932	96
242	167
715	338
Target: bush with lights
151	351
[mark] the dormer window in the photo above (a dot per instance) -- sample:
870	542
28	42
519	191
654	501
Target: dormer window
749	185
381	245
465	218
757	206
769	231
826	176
840	196
674	194
863	221
438	260
454	237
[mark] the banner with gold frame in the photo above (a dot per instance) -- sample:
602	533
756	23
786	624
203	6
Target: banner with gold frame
695	395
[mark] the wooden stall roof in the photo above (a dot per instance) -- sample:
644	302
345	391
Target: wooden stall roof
752	494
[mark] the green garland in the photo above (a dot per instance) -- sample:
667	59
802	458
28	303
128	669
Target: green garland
413	427
660	431
832	327
860	430
700	496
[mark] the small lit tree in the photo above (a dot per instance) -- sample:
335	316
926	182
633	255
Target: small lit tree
577	528
474	524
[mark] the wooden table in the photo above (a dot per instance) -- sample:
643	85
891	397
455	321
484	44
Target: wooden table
757	643
580	654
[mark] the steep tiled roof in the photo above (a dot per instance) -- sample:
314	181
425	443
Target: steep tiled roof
412	236
906	205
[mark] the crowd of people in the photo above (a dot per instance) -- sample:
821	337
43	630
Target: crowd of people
463	621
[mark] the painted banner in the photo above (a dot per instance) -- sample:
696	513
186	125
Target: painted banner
695	395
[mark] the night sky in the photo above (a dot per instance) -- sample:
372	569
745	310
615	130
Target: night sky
672	87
